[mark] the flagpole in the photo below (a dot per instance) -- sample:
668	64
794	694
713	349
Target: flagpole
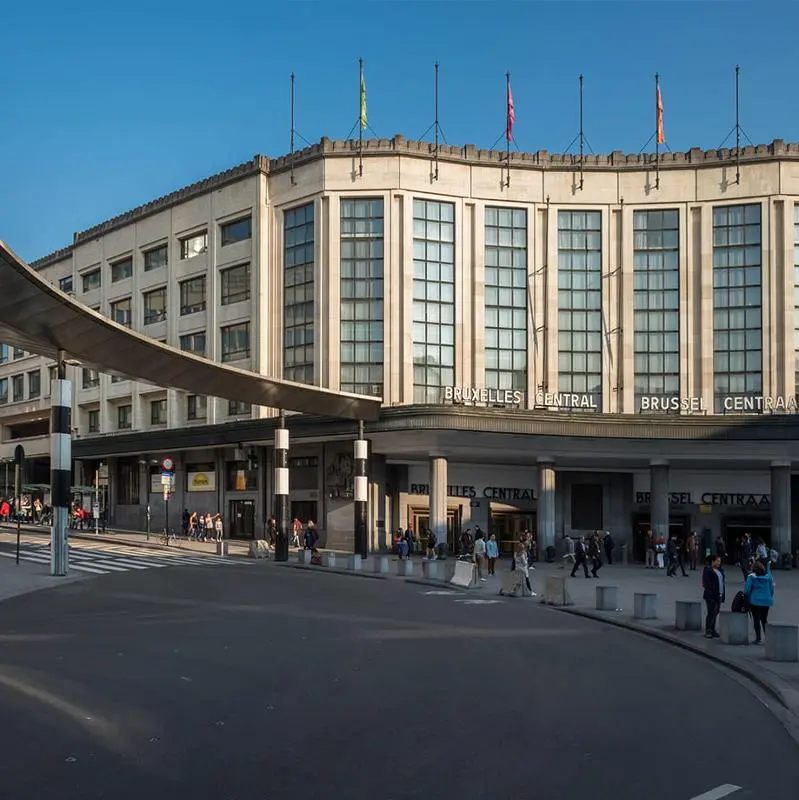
360	116
435	175
507	125
657	131
582	137
737	124
293	180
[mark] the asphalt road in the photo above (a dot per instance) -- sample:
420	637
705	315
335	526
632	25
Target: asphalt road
270	682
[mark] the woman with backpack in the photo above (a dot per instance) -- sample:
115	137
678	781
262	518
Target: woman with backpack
759	593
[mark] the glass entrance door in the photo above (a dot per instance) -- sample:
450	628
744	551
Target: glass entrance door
507	527
420	521
241	520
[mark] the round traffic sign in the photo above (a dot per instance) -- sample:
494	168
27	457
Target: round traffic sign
168	465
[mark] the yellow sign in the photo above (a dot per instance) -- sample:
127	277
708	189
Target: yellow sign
705	509
201	482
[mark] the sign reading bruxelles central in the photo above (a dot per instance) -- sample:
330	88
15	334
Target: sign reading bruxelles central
513	397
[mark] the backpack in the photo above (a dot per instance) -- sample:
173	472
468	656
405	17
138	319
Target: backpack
739	604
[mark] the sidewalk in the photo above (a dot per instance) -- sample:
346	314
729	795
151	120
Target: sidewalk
779	679
22	578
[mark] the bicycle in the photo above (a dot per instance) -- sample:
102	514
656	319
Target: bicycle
168	536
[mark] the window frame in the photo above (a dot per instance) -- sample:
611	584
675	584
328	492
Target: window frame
185	254
224	227
151	316
186	309
233	355
114	266
148	267
90	276
226	298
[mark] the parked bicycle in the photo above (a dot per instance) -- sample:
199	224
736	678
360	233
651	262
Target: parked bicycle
168	536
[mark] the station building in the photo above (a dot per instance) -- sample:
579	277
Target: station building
560	345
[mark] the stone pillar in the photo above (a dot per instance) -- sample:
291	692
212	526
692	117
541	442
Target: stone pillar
438	502
781	506
659	499
282	490
545	516
60	469
361	488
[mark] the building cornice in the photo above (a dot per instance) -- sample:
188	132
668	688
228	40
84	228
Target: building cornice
468	155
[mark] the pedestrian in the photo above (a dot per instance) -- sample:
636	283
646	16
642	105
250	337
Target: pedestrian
759	593
520	564
218	527
431	545
492	553
579	557
409	539
609	545
651	550
747	550
479	550
713	583
594	553
693	551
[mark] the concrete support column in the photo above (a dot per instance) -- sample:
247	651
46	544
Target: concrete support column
361	489
282	490
545	516
438	502
781	506
60	469
659	499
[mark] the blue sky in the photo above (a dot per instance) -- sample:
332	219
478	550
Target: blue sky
109	105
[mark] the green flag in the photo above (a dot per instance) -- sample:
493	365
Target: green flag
363	117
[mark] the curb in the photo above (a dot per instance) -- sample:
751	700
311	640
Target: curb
771	687
373	575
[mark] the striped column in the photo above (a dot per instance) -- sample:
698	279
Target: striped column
282	490
60	472
361	490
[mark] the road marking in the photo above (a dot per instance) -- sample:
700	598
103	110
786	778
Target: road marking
441	594
481	603
718	792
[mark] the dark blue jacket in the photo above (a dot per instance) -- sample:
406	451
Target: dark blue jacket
710	583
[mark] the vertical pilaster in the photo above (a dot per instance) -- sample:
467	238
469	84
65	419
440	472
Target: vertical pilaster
438	502
282	490
659	499
361	492
781	506
545	517
60	469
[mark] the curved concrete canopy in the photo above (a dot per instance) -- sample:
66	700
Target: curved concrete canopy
42	319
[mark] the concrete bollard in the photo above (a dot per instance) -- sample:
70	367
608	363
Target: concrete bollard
405	568
430	570
329	559
607	598
556	592
734	627
221	548
381	564
782	642
645	606
304	556
688	615
354	563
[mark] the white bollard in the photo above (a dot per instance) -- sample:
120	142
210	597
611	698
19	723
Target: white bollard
645	606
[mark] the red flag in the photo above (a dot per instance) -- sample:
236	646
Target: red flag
661	133
511	116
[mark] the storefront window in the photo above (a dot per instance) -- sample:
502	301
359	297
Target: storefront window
737	315
433	299
239	477
656	303
580	304
506	298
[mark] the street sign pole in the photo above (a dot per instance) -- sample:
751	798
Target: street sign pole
19	461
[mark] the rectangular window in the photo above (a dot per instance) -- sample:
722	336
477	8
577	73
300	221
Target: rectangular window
237	231
90	378
18	353
127	482
506	298
155	306
239	476
433	299
3	353
121	312
158	412
121	269
656	307
194	245
34	384
362	296
65	284
3	391
235	342
18	388
580	305
298	294
193	343
93	418
124	417
192	295
196	407
737	317
156	258
237	408
91	280
235	284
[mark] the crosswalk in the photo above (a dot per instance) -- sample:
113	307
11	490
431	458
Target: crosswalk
98	558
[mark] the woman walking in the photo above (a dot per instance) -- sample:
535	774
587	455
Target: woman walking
759	593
